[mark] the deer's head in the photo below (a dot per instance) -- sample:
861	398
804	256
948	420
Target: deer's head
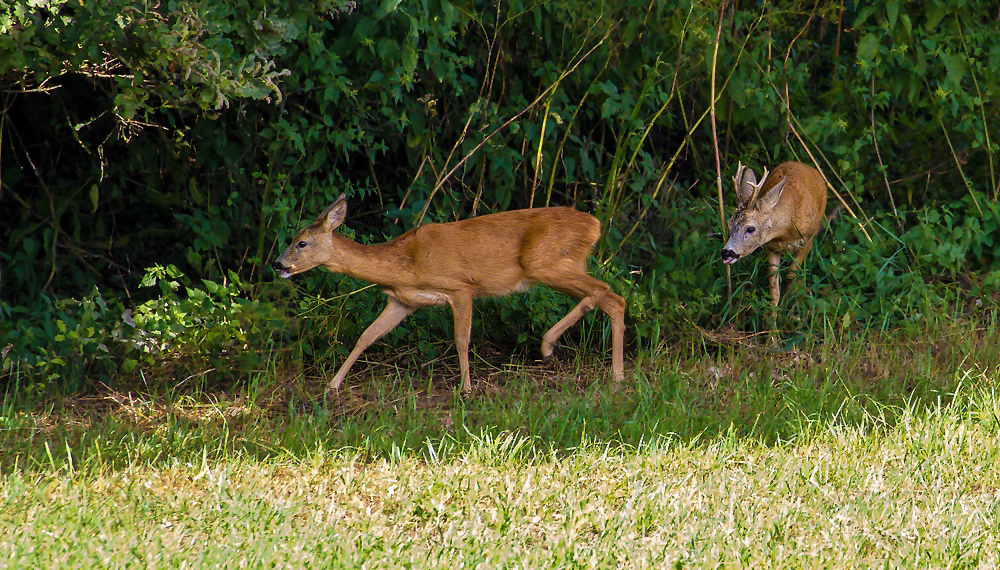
313	245
750	225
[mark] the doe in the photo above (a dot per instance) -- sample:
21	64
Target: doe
454	263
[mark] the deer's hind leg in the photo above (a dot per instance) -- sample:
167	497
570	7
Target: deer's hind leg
592	293
792	276
461	307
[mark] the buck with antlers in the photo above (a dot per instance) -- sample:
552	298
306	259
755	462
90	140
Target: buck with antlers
781	214
454	263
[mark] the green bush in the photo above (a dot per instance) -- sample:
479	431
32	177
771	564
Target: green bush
211	332
201	135
70	343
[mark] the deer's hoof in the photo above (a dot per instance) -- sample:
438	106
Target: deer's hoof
548	358
465	392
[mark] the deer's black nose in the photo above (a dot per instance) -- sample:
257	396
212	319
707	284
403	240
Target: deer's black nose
277	266
728	254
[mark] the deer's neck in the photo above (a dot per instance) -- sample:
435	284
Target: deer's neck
383	264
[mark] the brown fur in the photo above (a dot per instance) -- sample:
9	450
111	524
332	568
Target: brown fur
785	212
454	263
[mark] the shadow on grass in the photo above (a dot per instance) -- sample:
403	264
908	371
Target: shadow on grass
690	392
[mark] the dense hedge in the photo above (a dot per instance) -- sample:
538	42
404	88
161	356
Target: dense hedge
191	137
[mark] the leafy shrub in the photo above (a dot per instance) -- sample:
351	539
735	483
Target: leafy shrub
210	131
70	345
212	332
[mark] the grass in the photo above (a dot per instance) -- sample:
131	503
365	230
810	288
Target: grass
860	448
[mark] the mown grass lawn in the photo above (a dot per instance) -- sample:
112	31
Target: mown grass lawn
876	450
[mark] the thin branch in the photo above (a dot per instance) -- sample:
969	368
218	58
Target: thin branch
788	53
825	179
958	163
530	106
962	155
54	221
982	111
40	89
691	128
715	143
791	125
878	153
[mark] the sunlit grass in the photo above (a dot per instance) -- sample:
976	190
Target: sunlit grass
852	451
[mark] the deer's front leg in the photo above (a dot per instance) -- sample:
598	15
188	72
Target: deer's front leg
391	316
774	261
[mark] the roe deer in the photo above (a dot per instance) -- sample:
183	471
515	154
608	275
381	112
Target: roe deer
454	263
781	213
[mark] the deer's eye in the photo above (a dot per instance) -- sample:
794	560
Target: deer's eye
751	230
302	245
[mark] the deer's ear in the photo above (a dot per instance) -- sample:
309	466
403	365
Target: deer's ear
333	216
768	201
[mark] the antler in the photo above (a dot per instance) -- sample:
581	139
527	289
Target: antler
747	186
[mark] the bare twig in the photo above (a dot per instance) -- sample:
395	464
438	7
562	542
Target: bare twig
958	163
538	154
530	106
982	111
962	156
666	171
54	221
791	125
691	128
825	179
878	153
715	143
788	53
840	25
40	89
569	128
8	100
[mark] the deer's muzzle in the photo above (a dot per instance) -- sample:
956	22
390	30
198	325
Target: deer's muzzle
281	270
729	256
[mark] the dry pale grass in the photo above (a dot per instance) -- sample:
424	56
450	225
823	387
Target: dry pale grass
924	493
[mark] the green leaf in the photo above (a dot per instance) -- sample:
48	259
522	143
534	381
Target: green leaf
386	8
935	17
892	11
868	47
196	195
863	15
30	246
955	65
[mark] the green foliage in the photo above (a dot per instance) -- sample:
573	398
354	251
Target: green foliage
901	277
69	342
202	134
212	332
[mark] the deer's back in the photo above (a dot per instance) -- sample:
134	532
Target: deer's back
802	205
498	253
